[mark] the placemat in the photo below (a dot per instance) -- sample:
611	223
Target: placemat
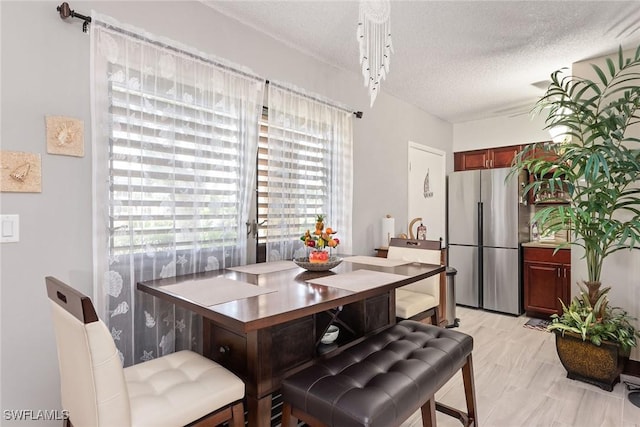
216	290
264	267
374	260
358	280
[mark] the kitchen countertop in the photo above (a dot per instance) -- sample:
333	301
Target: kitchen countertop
551	244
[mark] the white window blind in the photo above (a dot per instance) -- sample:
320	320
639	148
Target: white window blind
170	160
295	183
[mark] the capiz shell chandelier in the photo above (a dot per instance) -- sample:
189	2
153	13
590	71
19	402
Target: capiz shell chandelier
374	39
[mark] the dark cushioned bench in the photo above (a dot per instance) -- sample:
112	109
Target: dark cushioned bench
383	380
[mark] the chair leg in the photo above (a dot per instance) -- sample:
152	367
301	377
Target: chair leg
429	413
237	415
435	317
470	391
286	415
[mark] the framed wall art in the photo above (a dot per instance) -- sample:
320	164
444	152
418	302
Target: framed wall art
65	136
20	172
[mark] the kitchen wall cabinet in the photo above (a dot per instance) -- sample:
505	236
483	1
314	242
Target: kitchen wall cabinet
489	158
547	280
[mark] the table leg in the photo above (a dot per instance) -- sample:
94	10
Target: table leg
259	411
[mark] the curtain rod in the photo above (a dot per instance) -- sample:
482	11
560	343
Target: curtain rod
358	114
65	12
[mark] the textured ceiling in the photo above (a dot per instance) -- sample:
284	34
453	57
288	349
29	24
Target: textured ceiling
458	60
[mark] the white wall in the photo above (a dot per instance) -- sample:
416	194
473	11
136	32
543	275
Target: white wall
45	70
499	132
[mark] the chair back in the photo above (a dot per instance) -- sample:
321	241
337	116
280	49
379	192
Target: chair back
415	250
424	251
92	383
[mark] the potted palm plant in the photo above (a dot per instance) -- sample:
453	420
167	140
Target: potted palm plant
597	168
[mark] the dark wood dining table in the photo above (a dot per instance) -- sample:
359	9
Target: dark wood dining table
267	337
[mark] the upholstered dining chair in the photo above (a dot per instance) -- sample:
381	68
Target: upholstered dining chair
182	388
419	300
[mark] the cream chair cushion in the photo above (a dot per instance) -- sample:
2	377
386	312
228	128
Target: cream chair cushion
410	303
422	295
178	388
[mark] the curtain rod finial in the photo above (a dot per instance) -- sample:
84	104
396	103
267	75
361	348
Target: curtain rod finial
65	10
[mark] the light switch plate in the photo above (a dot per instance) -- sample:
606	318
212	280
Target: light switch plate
9	228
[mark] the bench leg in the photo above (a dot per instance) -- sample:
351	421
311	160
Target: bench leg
468	419
470	391
429	413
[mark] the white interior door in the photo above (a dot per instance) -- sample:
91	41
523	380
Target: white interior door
427	188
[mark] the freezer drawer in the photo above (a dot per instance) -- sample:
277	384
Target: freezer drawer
465	260
501	280
500	208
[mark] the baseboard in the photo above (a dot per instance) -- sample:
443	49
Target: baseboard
632	368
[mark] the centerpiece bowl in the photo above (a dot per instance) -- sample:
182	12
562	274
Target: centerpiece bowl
317	266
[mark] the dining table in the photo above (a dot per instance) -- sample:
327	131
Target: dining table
267	321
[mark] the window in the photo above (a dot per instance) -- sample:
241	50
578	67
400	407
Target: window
175	172
304	169
174	137
303	172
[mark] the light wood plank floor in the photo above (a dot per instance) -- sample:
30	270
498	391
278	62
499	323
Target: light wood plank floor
520	381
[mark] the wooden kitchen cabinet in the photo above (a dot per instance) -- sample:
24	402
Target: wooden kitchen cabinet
502	157
547	280
490	158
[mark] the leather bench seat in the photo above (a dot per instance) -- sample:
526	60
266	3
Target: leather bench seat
382	380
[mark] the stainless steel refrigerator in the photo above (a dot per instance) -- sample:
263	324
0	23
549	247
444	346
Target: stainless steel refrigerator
487	221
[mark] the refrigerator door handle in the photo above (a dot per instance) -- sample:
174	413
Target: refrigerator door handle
480	228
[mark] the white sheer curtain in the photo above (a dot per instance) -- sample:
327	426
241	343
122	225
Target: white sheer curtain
310	170
174	137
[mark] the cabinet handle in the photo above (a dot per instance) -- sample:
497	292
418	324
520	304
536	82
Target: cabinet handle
491	162
224	349
558	271
565	272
